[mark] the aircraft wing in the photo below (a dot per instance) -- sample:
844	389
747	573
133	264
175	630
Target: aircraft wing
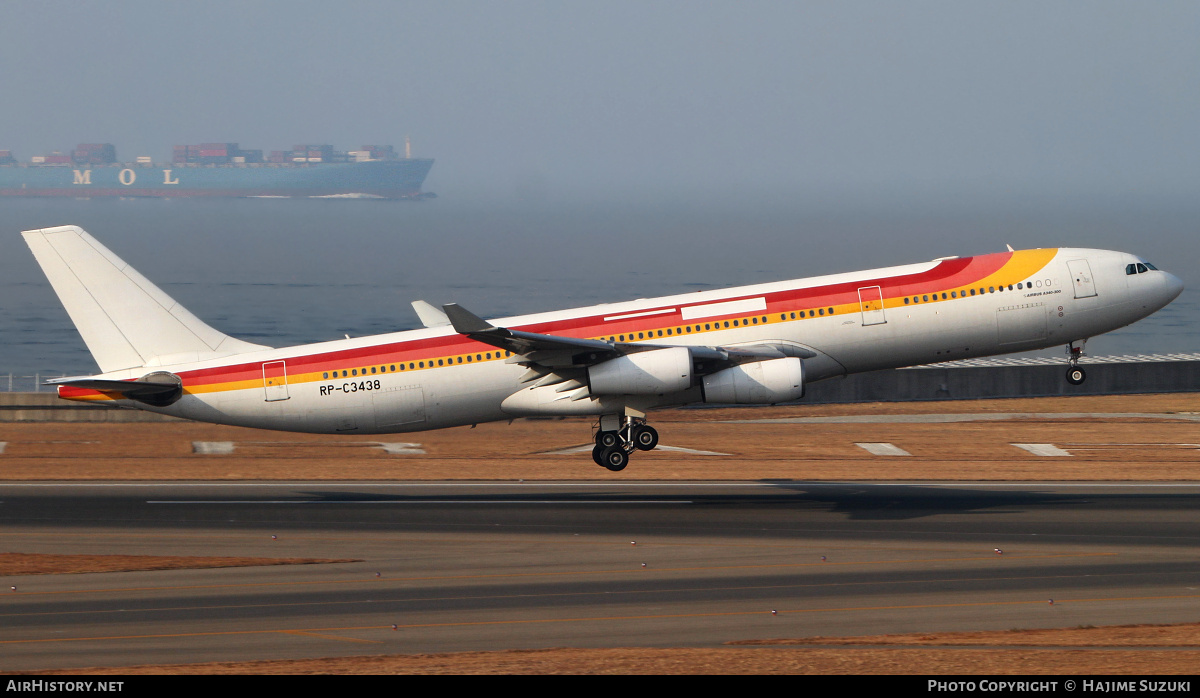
554	351
468	323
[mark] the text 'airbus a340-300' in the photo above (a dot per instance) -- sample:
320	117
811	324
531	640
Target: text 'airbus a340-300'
753	345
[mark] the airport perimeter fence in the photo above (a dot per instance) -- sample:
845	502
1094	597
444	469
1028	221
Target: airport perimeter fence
17	383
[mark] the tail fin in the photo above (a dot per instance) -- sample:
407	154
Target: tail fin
126	321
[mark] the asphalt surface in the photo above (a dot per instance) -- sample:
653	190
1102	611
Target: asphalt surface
488	566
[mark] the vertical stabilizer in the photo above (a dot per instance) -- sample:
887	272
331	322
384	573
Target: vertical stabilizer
126	321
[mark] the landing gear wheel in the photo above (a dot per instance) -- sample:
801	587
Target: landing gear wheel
1076	375
614	458
645	438
597	452
605	439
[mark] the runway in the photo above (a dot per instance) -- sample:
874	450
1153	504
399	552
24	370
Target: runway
500	565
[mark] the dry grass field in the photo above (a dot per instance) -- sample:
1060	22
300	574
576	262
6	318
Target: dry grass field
1075	652
1103	447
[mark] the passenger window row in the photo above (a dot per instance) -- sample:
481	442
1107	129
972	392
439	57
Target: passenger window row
1020	286
712	326
416	365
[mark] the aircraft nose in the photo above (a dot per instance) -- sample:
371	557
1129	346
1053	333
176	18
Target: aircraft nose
1172	286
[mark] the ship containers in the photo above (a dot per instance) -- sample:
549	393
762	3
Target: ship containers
205	153
213	153
94	154
380	152
216	153
184	154
312	153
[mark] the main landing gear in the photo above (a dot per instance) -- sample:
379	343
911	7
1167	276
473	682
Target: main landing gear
618	437
1075	374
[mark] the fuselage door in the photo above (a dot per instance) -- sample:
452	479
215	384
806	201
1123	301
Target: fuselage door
870	300
1081	278
400	406
275	380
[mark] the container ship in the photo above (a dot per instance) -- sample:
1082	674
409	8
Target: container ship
220	170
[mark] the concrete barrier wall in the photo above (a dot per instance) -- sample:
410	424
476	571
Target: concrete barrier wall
1007	381
878	386
46	407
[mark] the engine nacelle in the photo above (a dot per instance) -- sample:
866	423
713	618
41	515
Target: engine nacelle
644	373
758	383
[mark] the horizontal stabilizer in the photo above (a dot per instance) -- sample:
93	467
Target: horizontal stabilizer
159	388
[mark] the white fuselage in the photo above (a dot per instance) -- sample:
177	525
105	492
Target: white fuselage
845	323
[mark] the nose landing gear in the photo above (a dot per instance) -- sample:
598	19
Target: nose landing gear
1075	374
618	437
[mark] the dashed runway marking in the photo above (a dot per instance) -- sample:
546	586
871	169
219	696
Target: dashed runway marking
1043	449
1052	450
225	448
883	449
402	449
692	451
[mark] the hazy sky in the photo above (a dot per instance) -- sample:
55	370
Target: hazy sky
603	99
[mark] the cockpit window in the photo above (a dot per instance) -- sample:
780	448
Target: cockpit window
1151	266
1141	268
1130	269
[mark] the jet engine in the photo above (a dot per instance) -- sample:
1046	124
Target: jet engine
645	373
757	383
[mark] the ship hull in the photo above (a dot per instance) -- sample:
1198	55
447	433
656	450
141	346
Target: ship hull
388	179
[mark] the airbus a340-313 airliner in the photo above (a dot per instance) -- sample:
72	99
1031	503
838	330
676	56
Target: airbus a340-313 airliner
757	344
